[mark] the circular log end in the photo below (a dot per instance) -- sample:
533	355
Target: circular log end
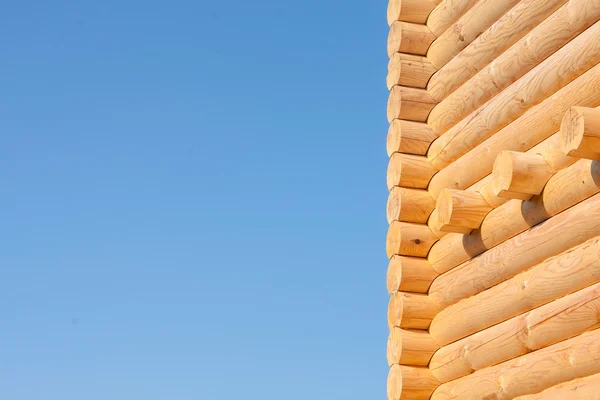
394	347
393	11
395	310
394	383
444	208
392	244
394	274
394	38
394	70
571	131
394	172
394	137
394	104
394	204
502	173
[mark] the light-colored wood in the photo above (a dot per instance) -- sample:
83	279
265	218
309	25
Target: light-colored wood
480	17
547	281
409	171
435	223
459	210
531	373
415	11
587	388
539	123
554	73
409	274
410	383
410	347
409	137
447	13
545	38
580	133
519	175
410	310
519	253
486	191
405	37
409	104
409	70
409	239
409	205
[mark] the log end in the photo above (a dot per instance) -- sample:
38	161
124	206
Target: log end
394	205
394	105
393	11
394	383
394	171
394	137
394	347
395	310
393	239
580	133
394	42
394	70
394	274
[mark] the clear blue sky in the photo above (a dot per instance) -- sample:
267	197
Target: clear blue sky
193	200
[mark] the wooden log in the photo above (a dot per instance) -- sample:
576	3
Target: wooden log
578	389
556	277
435	223
487	192
410	310
405	37
408	239
461	211
580	133
531	373
447	13
409	70
409	104
519	253
409	274
409	171
409	205
556	72
480	17
520	175
492	53
415	11
540	122
410	347
410	383
409	137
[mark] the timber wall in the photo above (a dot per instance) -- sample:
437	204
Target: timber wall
494	204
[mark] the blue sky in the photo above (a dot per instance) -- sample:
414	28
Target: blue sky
193	200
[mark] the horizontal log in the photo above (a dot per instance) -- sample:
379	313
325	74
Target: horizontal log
447	13
540	122
580	133
409	104
552	323
578	389
409	274
459	210
410	310
409	70
547	281
492	54
405	37
409	205
519	253
435	224
480	17
410	347
554	73
409	171
531	373
415	11
409	137
519	175
409	239
410	383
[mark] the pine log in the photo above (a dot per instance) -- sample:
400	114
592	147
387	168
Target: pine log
556	277
409	239
409	205
409	171
410	383
435	224
587	388
415	11
410	347
540	122
480	17
531	373
410	310
459	210
519	175
447	13
409	70
554	73
493	49
405	37
409	104
409	137
409	274
580	133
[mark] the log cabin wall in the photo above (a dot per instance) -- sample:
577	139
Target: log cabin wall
494	204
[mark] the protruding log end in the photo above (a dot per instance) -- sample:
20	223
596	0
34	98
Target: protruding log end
406	37
410	383
580	133
410	347
408	239
461	211
409	104
409	171
409	137
520	175
409	205
409	70
411	311
409	274
415	11
394	383
434	223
